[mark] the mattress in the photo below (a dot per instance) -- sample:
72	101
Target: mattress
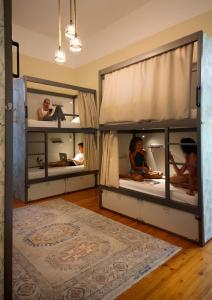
54	124
35	173
156	187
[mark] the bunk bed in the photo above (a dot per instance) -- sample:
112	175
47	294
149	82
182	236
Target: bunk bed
38	143
164	93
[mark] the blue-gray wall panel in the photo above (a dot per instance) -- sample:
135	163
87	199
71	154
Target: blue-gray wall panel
206	134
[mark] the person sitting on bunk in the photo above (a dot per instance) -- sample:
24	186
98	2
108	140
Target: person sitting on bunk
139	168
188	180
76	161
45	113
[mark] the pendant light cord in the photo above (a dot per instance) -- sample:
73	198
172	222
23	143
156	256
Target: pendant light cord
75	17
59	24
70	11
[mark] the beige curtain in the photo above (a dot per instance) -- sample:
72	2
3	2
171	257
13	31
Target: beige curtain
155	89
87	110
91	157
110	160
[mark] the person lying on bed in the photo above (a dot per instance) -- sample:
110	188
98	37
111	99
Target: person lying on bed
187	180
45	113
139	168
76	161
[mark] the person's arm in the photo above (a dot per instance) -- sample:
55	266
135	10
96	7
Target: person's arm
145	160
78	162
40	114
179	171
133	166
78	159
192	169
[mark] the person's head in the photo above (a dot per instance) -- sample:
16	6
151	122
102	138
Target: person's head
190	148
136	144
46	104
80	145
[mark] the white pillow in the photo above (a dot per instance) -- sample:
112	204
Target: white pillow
76	120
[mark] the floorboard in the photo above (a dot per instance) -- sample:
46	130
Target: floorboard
188	275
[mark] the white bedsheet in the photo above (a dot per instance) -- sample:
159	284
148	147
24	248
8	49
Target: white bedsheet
35	173
64	124
157	187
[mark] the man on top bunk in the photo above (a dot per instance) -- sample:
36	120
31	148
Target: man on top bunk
76	161
45	113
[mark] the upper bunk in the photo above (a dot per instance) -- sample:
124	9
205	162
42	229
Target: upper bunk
156	90
78	105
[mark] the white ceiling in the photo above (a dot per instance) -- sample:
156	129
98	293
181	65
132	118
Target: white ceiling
92	15
104	26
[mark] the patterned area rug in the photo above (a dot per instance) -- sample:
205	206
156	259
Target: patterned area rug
63	251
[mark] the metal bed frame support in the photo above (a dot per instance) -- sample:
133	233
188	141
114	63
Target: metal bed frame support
47	130
165	126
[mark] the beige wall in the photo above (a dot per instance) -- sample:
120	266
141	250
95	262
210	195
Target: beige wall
87	75
51	71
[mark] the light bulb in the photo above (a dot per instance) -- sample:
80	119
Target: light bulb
70	31
75	44
60	56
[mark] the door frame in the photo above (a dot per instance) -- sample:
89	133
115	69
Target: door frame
8	150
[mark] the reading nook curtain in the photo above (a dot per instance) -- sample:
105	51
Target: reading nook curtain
87	110
154	89
110	163
91	157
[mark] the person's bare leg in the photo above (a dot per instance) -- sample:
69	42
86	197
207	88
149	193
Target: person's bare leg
60	163
136	177
124	176
180	180
153	175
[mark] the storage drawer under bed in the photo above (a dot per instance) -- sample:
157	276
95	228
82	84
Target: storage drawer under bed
173	220
60	186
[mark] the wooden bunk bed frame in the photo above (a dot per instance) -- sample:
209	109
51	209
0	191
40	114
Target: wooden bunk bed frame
114	198
26	130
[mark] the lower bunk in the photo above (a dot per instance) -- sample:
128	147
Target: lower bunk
157	187
35	173
145	201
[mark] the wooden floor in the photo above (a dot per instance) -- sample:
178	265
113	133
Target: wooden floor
188	275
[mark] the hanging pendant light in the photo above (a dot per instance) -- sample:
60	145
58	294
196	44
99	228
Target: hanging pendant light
70	31
70	28
75	43
59	54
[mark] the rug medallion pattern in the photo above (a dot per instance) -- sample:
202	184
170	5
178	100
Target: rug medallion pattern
63	251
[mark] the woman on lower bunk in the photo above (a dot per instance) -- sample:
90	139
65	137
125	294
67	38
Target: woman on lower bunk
139	168
187	180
